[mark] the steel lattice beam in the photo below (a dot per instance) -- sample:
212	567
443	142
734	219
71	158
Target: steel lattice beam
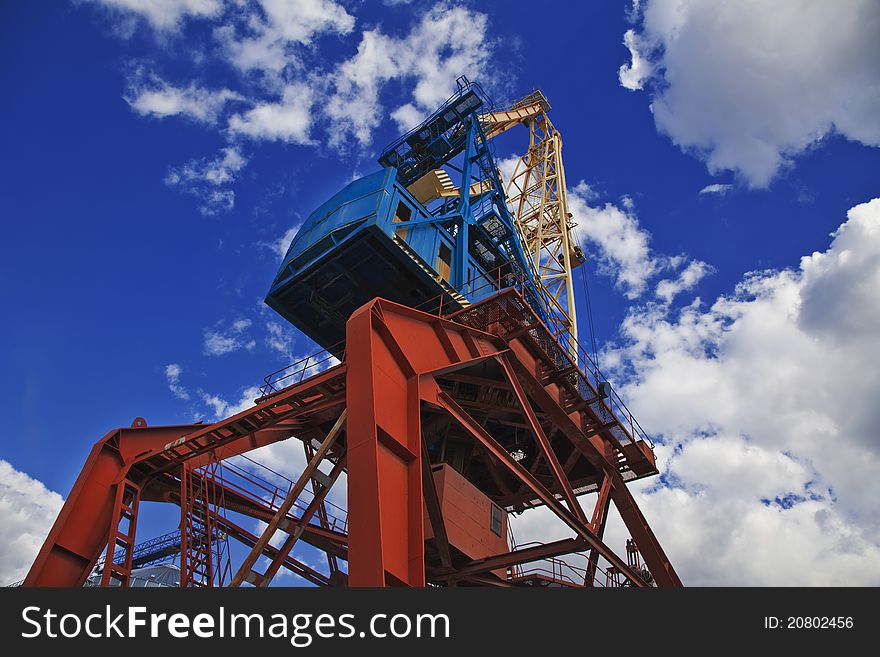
399	380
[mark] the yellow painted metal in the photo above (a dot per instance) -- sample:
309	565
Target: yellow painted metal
433	185
538	199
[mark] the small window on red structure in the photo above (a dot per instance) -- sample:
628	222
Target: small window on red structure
495	521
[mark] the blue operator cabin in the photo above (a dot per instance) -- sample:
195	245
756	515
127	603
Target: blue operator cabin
408	233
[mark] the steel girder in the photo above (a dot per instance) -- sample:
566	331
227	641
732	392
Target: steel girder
397	358
402	368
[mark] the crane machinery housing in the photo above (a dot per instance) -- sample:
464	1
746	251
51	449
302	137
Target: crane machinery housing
451	392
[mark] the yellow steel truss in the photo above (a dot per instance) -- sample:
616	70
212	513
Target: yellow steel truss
537	196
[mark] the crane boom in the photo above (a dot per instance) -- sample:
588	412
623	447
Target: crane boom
538	199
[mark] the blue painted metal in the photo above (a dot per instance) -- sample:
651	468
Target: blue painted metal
438	139
156	550
373	238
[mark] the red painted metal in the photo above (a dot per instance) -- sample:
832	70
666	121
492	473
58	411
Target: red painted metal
122	534
486	391
81	530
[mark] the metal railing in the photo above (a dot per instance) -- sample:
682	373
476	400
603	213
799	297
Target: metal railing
562	349
241	476
296	372
152	551
568	352
554	568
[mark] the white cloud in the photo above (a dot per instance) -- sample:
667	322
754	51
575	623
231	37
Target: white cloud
240	325
205	179
218	171
290	88
220	408
280	338
218	342
160	99
809	71
668	289
354	107
614	238
282	244
407	117
716	188
27	511
766	402
448	41
172	376
633	75
507	167
623	246
268	39
288	120
165	14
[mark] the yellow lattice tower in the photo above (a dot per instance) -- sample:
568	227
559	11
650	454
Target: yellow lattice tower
537	197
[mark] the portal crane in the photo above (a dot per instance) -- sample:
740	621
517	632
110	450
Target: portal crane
450	391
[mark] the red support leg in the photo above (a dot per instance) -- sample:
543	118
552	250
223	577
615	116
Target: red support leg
122	533
386	531
600	516
82	529
654	556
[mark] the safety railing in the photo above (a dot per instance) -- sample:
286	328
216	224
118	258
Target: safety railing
560	347
563	350
258	482
134	582
297	371
555	569
148	552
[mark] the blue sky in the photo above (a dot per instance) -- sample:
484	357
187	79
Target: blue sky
155	155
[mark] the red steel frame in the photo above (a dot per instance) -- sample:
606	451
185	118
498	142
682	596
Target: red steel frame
398	367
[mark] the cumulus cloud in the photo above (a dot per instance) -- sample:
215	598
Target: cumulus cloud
220	408
160	99
633	75
208	180
447	38
668	289
268	38
809	71
27	511
287	120
282	244
289	88
164	15
280	338
766	405
614	236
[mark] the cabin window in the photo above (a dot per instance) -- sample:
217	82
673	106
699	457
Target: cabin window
403	213
495	520
444	261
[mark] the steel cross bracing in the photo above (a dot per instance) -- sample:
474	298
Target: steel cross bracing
537	195
410	382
